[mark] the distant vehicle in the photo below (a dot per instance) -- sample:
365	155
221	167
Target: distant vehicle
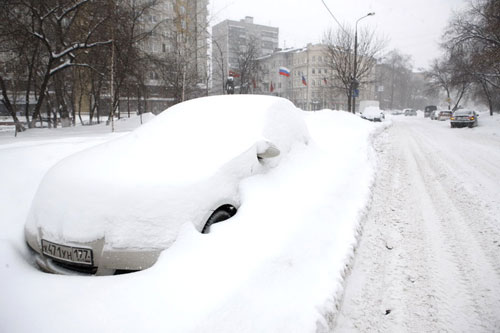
373	113
462	118
396	112
435	114
428	110
444	115
410	112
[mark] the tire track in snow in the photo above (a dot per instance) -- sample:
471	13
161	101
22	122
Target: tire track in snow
422	264
465	276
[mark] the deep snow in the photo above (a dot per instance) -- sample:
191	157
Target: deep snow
277	266
280	265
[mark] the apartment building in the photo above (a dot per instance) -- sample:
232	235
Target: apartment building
232	38
180	36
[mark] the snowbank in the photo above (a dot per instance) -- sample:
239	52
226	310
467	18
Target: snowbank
275	267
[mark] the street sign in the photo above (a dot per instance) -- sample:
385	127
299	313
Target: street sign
356	93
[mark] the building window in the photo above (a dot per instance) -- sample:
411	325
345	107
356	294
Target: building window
314	71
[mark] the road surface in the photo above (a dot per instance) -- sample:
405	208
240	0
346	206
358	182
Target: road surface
428	259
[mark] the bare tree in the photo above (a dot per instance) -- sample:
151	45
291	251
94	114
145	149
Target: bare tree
341	57
473	41
247	63
218	60
52	25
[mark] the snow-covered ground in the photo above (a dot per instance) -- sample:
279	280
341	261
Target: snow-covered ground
277	266
429	257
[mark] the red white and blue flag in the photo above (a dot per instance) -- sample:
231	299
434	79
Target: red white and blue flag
304	82
284	71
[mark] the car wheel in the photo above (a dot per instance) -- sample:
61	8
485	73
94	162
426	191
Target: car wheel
221	214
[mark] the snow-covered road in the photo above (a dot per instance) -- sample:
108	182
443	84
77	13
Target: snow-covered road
429	256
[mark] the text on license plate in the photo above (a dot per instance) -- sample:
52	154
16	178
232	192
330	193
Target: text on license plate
77	255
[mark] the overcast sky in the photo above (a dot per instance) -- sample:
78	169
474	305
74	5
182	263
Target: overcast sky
412	26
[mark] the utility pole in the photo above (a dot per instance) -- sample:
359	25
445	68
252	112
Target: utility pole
355	82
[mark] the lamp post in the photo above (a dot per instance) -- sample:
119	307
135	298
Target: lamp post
355	83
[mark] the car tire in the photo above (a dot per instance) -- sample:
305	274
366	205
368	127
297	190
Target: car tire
221	214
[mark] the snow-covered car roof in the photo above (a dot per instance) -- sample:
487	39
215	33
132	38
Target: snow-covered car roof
372	112
463	112
125	190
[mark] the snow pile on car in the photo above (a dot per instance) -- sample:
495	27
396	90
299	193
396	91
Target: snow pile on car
126	189
372	112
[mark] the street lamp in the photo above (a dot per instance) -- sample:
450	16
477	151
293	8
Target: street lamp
355	83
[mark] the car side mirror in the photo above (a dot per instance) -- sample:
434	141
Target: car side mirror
266	149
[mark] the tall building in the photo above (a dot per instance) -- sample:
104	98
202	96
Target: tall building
179	37
230	39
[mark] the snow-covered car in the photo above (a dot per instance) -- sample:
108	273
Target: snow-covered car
462	118
444	115
373	113
435	114
409	112
114	207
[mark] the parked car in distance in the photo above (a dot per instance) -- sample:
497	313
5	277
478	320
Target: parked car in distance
435	114
410	112
462	118
373	113
429	109
444	115
184	167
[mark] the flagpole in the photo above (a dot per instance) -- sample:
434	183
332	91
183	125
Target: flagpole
279	83
307	79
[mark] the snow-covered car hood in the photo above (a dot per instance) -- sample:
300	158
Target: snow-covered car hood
136	191
372	112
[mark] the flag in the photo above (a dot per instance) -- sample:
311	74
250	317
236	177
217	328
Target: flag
271	87
233	74
284	71
304	82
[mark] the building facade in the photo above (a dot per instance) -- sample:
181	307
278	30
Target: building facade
310	85
231	40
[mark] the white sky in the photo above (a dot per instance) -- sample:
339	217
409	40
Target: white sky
412	26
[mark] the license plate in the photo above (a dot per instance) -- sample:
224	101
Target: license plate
71	254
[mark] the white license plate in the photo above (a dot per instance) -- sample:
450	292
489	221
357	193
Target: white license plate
71	254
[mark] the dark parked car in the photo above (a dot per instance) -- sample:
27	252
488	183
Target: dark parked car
462	118
428	110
